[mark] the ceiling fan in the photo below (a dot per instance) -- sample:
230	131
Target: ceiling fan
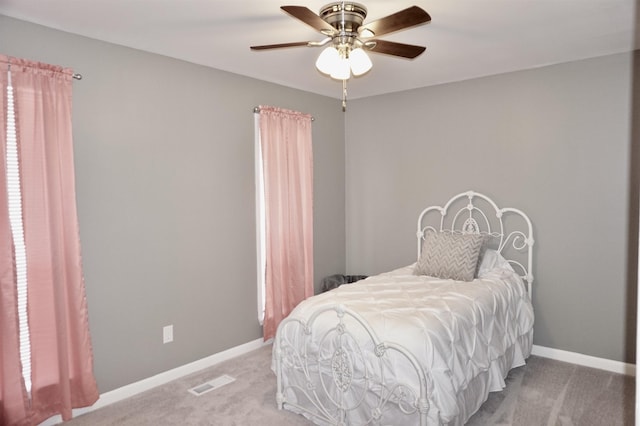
348	38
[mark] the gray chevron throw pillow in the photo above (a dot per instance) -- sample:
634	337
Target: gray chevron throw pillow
449	255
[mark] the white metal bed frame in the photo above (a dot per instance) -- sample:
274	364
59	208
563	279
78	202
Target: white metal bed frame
358	388
472	219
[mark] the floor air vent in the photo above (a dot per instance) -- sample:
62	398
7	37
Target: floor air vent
214	384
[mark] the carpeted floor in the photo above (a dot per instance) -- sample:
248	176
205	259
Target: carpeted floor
542	393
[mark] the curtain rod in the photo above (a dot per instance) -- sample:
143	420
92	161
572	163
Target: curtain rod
256	110
76	76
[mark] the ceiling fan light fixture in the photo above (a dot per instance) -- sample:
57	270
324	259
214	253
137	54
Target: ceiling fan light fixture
360	62
328	60
342	69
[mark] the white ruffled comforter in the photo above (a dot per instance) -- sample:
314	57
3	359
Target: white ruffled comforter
458	330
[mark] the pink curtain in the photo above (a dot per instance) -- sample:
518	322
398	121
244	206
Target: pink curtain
61	354
285	138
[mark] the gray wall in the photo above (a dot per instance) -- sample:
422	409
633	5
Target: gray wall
164	166
165	190
553	141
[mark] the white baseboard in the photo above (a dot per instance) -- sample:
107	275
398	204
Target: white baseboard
585	360
161	378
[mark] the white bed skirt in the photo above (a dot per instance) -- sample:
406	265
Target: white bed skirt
492	380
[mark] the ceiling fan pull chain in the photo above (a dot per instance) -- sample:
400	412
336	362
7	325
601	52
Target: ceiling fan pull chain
344	95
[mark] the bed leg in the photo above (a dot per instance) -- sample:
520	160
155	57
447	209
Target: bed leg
423	407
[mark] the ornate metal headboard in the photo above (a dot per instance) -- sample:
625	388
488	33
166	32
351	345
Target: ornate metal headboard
474	213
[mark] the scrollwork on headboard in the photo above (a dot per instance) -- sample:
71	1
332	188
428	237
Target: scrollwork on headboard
510	229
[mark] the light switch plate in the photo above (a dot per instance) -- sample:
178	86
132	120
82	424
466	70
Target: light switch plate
167	334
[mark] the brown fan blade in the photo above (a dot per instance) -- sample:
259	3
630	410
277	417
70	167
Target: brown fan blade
396	49
406	18
308	17
278	46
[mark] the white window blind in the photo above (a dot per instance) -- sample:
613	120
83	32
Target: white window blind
17	231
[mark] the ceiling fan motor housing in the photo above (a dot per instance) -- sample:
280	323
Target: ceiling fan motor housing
346	18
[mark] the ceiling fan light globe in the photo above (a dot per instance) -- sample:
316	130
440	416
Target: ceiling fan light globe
360	62
342	70
328	60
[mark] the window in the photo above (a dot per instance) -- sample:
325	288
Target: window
260	222
17	232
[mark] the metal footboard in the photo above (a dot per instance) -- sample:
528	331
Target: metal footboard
335	370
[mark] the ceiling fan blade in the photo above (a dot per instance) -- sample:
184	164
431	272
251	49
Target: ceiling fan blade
278	46
406	18
409	51
308	17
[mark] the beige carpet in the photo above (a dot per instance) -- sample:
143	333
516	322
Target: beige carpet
542	393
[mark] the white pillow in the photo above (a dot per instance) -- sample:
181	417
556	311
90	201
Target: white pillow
492	260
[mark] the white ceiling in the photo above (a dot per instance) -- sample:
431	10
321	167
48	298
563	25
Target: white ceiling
465	39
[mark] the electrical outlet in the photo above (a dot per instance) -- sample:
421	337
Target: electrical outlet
167	334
